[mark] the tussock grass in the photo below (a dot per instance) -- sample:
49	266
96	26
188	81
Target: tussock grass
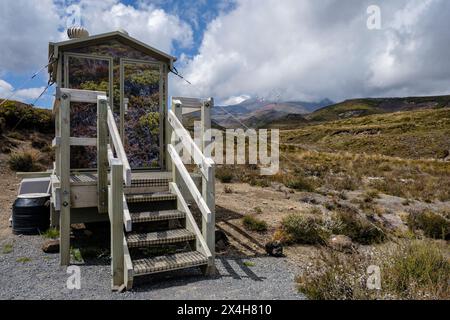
224	174
254	224
409	270
24	160
433	225
51	233
7	248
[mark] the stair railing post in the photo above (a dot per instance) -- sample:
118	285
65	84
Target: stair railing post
115	203
178	111
64	166
208	183
102	154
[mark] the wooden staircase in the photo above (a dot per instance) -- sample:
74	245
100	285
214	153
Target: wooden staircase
159	239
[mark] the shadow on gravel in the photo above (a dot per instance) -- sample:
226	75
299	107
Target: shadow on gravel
228	267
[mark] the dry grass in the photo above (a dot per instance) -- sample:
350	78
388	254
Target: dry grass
432	224
410	270
252	223
25	160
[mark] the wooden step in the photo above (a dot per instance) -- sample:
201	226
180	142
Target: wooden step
136	240
168	263
150	197
140	217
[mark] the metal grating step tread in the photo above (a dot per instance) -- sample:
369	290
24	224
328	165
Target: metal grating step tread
150	197
168	263
136	240
140	217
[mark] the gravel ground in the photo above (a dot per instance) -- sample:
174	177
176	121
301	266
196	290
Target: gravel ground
41	277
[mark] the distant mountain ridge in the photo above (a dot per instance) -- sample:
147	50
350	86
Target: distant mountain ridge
256	112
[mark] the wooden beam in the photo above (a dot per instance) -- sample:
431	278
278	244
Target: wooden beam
128	266
118	147
184	174
84	96
126	216
64	149
200	160
84	142
191	224
102	154
208	182
31	175
115	200
188	102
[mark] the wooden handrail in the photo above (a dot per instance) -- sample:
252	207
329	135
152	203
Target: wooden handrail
196	195
190	146
118	146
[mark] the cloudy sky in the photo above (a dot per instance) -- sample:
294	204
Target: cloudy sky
233	49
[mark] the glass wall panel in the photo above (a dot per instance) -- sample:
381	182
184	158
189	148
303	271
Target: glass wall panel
85	74
142	117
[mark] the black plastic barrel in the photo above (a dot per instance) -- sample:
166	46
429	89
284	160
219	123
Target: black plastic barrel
31	214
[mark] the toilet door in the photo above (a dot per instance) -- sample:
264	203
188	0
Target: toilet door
141	111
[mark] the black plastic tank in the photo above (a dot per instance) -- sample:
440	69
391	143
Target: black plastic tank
31	214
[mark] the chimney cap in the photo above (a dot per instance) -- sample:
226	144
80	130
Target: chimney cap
77	32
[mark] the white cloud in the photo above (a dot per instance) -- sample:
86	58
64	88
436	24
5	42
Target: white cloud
27	95
28	25
316	49
235	100
144	22
5	88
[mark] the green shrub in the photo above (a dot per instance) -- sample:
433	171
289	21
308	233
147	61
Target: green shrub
300	184
254	224
225	175
23	116
305	229
432	224
417	270
348	222
51	233
22	161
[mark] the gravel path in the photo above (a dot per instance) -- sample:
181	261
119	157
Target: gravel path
28	273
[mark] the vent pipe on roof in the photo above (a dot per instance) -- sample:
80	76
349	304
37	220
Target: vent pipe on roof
77	33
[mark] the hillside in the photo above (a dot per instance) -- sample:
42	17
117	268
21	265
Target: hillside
363	107
257	112
407	134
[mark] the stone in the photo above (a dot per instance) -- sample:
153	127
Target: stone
51	246
274	249
341	243
221	241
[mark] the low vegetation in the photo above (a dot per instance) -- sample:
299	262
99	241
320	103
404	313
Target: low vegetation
303	229
17	115
23	260
51	233
25	160
252	223
224	174
409	270
433	225
7	248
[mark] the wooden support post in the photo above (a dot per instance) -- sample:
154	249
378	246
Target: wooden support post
102	154
64	150
178	111
115	202
208	185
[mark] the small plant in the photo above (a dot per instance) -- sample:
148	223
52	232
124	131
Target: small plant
254	224
24	160
227	189
258	210
51	233
305	229
16	135
23	260
225	175
359	229
249	264
370	195
300	184
76	254
7	248
432	224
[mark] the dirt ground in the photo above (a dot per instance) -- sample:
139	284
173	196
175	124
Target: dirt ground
9	184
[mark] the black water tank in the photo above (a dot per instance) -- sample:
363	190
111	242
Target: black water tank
31	214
